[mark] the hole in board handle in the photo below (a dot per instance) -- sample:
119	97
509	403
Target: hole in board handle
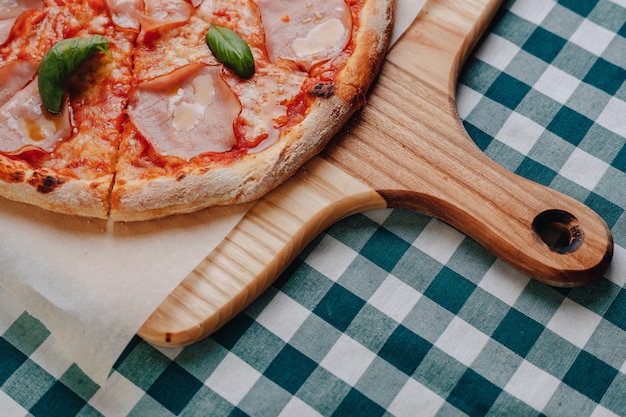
559	230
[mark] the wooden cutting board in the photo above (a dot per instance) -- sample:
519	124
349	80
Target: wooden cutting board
407	149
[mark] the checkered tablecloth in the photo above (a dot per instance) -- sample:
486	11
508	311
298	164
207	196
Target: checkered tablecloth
394	313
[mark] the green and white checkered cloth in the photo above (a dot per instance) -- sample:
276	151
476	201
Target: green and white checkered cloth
394	313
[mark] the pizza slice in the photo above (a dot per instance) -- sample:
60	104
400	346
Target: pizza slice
63	162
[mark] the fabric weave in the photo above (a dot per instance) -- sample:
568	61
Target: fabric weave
394	313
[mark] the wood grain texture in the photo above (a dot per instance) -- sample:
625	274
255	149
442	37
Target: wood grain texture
409	145
407	149
258	249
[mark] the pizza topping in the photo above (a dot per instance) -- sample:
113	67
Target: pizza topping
305	32
321	38
228	47
14	76
26	122
12	8
163	13
187	112
59	63
190	109
126	13
265	102
10	11
5	29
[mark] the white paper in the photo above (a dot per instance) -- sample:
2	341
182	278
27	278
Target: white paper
93	283
405	13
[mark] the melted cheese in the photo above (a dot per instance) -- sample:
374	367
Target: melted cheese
187	113
305	32
322	37
263	100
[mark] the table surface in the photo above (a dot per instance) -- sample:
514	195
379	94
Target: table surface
394	313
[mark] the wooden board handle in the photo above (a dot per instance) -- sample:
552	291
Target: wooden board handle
542	233
426	161
257	250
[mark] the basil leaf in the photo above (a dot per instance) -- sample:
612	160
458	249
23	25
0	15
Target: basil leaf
58	64
231	50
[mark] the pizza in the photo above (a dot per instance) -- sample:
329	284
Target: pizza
139	109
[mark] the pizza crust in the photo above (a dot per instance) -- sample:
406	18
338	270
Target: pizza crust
49	190
372	41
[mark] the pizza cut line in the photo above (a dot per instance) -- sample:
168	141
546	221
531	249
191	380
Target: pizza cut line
156	122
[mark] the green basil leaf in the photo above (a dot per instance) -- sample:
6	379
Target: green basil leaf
58	64
231	50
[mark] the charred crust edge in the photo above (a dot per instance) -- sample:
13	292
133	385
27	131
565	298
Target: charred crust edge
323	89
45	183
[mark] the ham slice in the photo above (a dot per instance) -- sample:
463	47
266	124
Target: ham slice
14	76
150	15
126	13
25	122
162	13
304	31
5	29
13	8
187	112
10	10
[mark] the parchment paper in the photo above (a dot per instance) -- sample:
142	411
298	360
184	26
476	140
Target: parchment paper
94	283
